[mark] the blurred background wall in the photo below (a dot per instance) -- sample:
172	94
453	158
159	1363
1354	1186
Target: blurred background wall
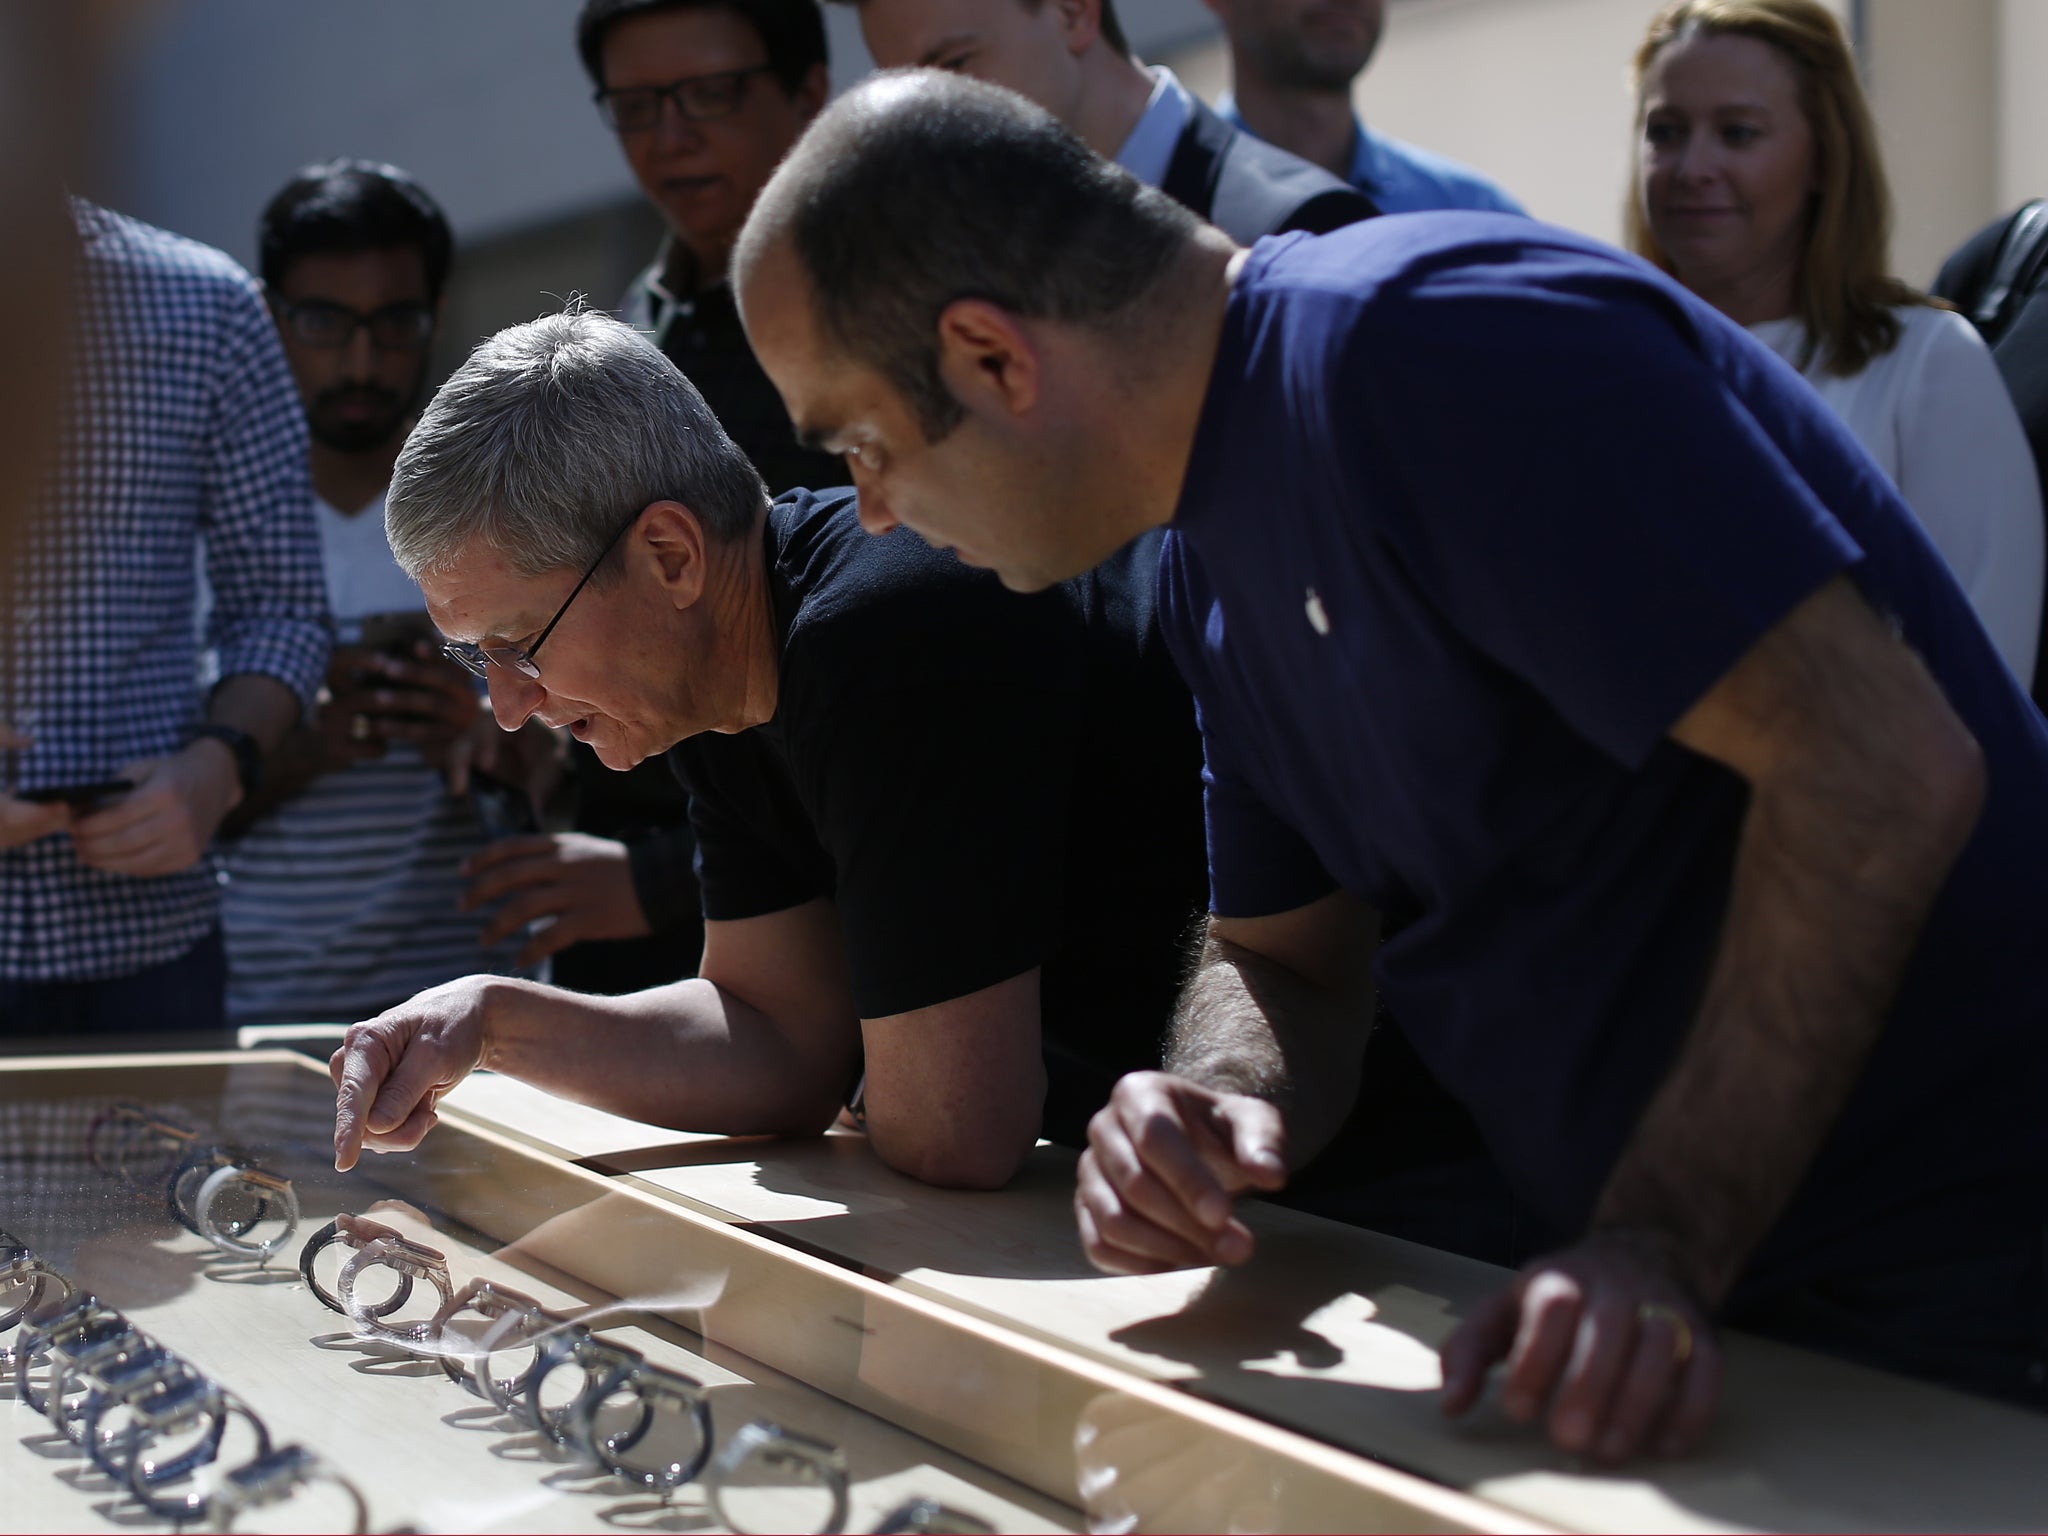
1535	93
218	101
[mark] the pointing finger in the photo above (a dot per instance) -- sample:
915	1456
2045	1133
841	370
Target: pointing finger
355	1083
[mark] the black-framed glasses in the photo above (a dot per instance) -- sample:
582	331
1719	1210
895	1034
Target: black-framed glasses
477	659
402	327
698	98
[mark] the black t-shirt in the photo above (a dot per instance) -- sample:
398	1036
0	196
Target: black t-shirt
981	781
644	807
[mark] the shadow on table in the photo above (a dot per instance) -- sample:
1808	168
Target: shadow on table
1803	1443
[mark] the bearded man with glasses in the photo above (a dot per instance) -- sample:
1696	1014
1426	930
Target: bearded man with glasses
344	866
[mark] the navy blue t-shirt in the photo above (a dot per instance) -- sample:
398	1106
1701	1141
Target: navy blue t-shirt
1476	511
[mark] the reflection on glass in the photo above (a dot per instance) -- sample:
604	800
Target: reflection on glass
1141	1471
768	1478
200	1370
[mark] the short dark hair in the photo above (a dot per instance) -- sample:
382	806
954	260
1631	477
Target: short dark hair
793	32
1112	29
354	205
918	188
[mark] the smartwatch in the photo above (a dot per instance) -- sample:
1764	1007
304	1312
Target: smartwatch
248	755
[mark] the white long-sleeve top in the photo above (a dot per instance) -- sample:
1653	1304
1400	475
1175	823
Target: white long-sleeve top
1936	416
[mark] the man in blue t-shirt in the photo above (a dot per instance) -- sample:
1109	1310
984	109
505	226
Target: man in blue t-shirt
1529	603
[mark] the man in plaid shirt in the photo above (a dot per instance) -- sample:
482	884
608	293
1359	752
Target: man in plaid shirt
183	430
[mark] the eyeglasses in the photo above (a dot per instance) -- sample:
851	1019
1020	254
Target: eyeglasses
698	98
477	659
402	327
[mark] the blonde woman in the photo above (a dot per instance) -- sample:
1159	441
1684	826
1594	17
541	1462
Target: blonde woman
1760	187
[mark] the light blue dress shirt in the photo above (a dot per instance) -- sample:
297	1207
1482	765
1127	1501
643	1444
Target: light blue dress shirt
1148	151
1404	178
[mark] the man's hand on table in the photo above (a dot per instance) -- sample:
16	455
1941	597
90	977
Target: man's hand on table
1602	1341
391	1071
1166	1158
581	885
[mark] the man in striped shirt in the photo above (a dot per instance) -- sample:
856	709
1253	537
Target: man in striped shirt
345	886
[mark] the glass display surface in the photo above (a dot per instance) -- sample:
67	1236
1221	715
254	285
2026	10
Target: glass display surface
480	1337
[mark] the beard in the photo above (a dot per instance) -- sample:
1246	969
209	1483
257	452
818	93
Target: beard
1295	62
387	414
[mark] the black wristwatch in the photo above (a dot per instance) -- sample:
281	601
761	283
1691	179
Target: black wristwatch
248	755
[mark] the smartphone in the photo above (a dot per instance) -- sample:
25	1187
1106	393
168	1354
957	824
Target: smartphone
396	634
77	796
503	808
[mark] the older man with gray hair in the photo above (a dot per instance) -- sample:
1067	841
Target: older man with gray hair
949	835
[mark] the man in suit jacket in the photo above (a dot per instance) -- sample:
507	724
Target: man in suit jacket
1071	58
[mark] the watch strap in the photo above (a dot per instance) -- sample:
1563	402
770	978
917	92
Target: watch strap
248	753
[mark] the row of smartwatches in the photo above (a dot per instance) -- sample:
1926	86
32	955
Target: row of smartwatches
644	1424
640	1422
149	1419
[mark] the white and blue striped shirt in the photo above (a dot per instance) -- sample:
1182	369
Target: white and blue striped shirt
341	902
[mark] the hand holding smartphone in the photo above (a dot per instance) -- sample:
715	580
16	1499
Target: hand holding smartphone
80	797
396	634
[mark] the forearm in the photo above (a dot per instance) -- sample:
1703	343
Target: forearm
1837	867
286	773
1261	1067
256	703
689	1055
1249	1025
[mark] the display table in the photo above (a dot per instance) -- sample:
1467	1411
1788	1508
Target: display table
950	1346
1332	1331
918	1398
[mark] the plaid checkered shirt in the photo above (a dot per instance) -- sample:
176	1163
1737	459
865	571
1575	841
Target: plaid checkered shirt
183	431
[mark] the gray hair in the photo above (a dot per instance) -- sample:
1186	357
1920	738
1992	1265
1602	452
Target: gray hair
551	436
917	188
